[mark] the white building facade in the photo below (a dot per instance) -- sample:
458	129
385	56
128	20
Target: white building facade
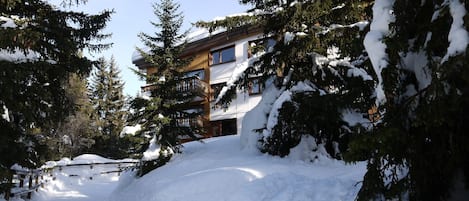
216	57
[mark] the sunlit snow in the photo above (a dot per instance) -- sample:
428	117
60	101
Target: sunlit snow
215	169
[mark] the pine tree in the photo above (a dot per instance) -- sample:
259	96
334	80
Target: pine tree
75	135
108	103
319	67
158	114
39	47
419	150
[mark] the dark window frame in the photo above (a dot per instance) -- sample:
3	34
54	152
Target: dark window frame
259	86
202	70
219	54
215	90
223	127
265	43
214	93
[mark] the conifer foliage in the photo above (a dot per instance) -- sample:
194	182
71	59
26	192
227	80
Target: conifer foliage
318	65
158	114
75	135
419	150
106	93
39	48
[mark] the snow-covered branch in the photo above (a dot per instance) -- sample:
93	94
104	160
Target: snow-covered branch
19	56
458	35
379	28
361	26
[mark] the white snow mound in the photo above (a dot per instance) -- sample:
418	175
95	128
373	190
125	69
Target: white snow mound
220	170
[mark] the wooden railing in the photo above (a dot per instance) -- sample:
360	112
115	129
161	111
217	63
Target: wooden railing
24	182
197	121
191	84
185	85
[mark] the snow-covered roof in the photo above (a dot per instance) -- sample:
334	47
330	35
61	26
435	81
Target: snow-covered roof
193	36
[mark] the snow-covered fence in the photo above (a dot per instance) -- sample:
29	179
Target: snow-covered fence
100	168
22	182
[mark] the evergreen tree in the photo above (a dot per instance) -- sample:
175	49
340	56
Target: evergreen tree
108	103
419	150
75	135
158	114
39	47
319	67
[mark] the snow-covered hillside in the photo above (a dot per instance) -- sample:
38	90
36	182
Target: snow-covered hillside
220	170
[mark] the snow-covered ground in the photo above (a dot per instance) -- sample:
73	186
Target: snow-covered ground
218	169
78	183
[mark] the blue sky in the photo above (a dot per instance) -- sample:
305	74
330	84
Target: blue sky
133	16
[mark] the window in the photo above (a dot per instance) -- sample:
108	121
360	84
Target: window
214	93
190	117
215	90
224	127
196	73
222	55
260	45
255	86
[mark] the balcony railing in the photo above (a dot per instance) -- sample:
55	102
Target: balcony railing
191	84
186	85
191	122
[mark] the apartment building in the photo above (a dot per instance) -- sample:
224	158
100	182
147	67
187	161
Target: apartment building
215	57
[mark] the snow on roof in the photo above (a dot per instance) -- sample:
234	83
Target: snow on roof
136	54
199	33
193	36
233	15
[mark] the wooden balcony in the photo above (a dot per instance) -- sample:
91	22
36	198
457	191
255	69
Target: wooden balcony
186	85
194	122
191	122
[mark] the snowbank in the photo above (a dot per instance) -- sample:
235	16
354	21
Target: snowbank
257	118
83	159
79	183
218	169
